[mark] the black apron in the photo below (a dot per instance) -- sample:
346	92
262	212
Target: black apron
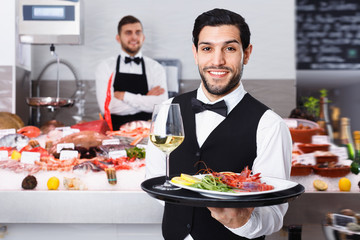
133	83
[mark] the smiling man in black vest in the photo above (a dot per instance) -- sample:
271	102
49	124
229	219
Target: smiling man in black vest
228	129
129	84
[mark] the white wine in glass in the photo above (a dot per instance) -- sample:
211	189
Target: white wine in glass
167	133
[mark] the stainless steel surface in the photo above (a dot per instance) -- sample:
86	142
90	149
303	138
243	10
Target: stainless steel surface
101	207
49	102
50	30
39	39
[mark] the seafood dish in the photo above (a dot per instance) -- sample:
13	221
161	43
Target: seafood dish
277	183
229	184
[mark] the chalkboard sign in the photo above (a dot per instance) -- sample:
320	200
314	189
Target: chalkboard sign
328	34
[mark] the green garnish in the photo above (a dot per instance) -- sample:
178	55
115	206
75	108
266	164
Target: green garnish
135	152
355	168
212	183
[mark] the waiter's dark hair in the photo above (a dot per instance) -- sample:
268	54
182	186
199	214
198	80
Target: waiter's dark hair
127	20
218	17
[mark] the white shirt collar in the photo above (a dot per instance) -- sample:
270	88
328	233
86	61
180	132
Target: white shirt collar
125	54
231	99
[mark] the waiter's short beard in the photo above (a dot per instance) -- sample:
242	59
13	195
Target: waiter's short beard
131	51
222	91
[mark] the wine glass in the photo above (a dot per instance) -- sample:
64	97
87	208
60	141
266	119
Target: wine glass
166	133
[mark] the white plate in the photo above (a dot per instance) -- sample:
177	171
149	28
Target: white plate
278	183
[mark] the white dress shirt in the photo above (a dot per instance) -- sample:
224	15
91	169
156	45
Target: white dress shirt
273	159
132	103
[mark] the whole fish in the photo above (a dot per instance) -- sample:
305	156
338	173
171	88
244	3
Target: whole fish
16	140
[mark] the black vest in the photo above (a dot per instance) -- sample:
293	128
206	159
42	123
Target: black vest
133	83
230	147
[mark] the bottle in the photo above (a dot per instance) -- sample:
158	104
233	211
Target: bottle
355	165
335	120
294	232
324	120
345	137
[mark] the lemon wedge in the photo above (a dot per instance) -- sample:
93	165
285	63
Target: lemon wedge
179	180
189	178
320	185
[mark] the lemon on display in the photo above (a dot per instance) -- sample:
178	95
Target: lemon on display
15	155
53	183
344	184
189	178
320	185
179	180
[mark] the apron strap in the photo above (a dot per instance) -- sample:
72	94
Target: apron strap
107	114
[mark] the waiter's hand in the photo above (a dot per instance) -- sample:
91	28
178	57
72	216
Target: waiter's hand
119	95
231	217
156	91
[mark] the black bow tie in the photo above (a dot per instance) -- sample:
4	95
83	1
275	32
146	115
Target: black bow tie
219	107
136	60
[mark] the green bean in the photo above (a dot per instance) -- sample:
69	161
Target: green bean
212	183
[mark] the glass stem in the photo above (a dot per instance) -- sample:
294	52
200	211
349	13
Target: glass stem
167	177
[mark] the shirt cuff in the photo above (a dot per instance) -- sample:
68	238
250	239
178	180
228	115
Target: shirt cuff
249	228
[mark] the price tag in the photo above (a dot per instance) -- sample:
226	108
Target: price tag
4	155
341	152
70	131
68	154
117	154
141	146
30	157
341	221
60	146
62	128
306	159
4	132
291	123
320	139
113	141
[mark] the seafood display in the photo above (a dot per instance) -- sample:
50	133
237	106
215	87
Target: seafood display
28	151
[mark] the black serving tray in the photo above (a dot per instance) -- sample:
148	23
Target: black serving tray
195	199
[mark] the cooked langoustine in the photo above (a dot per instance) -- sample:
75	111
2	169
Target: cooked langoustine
136	129
243	181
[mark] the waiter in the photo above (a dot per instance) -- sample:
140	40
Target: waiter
227	129
129	84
